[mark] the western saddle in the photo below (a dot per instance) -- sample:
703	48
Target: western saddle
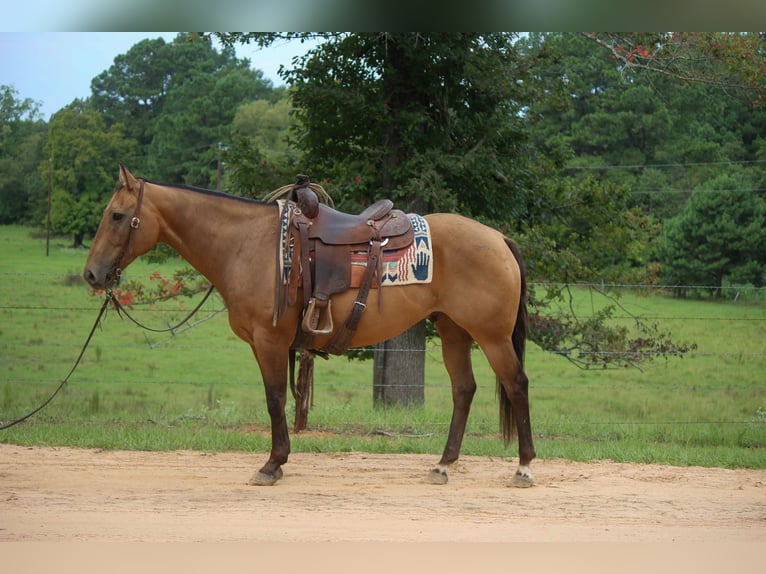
323	241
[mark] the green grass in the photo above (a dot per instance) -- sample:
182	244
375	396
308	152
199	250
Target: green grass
201	388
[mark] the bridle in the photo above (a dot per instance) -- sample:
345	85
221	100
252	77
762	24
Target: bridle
116	272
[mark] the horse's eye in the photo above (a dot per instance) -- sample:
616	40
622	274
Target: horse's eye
117	216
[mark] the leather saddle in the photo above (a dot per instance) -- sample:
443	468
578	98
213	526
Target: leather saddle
324	240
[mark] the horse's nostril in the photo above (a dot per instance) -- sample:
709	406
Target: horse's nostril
89	277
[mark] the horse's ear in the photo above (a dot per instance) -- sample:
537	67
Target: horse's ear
127	179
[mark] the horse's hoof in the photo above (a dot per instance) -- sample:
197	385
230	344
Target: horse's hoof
437	476
522	479
260	478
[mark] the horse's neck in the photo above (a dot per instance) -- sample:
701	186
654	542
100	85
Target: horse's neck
208	231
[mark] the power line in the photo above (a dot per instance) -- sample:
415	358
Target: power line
642	286
664	165
695	190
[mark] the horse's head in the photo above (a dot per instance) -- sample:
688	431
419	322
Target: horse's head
123	234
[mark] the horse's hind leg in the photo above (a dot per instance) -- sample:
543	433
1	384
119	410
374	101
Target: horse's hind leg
456	351
515	384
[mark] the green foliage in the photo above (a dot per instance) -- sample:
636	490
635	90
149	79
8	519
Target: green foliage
720	232
639	125
249	173
579	145
178	101
195	120
267	124
84	152
21	140
446	122
135	86
642	123
160	253
14	110
431	120
730	62
589	234
595	339
261	157
184	282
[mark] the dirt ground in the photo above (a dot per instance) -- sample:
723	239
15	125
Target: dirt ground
64	494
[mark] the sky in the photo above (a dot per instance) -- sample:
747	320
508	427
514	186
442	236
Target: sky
54	68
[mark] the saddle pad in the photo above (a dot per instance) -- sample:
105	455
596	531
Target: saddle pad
413	264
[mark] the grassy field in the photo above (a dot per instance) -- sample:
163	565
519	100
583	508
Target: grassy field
200	388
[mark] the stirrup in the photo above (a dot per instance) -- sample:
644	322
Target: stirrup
313	314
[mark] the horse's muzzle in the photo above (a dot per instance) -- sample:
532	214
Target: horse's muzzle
92	278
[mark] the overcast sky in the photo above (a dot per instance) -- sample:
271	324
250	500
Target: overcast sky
54	68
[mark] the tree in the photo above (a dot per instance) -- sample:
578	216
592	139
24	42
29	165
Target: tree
268	124
195	120
135	86
22	134
83	152
430	120
178	100
721	231
261	157
593	122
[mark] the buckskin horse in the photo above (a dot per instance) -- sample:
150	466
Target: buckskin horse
476	293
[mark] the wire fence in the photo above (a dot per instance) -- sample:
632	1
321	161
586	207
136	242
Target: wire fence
34	351
755	295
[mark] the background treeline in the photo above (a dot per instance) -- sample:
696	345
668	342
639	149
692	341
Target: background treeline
612	158
165	109
608	166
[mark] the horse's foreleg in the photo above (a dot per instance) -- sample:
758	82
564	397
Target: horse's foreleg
275	383
456	351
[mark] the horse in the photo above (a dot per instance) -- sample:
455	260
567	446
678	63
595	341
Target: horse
476	294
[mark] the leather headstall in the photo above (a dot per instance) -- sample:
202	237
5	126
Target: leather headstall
135	223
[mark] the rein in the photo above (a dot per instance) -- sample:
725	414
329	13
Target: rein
123	311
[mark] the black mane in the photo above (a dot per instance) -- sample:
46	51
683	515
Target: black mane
205	191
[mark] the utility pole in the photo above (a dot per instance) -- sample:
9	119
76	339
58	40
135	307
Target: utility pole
218	170
48	216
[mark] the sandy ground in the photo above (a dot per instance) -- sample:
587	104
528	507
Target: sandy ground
63	494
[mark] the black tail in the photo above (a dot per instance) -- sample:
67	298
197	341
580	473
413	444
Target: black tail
519	339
